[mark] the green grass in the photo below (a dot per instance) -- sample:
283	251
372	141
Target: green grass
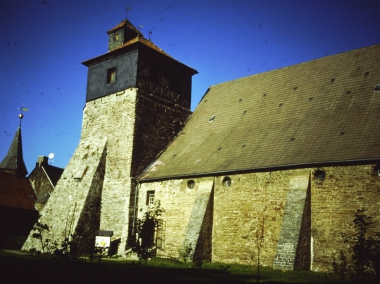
28	269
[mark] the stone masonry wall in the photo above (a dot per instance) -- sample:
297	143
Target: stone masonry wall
157	122
40	181
251	208
333	204
113	117
108	125
193	230
254	206
178	201
66	203
291	223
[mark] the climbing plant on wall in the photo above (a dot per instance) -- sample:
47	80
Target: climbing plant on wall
145	230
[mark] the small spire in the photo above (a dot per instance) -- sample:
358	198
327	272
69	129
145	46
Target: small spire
14	161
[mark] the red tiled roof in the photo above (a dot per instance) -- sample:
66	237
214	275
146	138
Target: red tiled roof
146	43
122	24
16	192
117	51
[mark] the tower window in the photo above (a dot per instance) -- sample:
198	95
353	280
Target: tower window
150	197
111	75
116	36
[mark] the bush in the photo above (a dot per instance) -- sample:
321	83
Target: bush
364	245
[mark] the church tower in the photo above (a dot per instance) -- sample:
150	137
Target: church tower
137	99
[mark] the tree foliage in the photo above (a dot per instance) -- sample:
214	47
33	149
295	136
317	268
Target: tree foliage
51	249
145	231
364	246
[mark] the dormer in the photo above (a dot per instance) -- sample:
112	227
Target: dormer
121	34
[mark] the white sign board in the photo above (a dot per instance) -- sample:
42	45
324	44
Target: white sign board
101	241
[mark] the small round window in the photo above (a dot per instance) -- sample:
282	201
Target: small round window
190	184
376	171
320	175
227	182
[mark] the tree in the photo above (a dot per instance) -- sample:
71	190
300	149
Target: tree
364	245
145	229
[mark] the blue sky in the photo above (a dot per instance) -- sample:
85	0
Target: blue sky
43	43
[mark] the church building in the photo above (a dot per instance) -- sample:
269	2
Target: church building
278	161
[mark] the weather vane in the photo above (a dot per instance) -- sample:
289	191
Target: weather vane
127	10
21	115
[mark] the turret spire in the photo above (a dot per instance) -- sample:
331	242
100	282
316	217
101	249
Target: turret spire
13	163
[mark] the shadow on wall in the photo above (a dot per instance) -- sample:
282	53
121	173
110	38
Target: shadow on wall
114	247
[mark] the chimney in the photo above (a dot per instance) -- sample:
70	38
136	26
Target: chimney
42	160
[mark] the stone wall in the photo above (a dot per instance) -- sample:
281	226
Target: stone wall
113	118
107	131
66	203
131	129
178	201
253	209
40	181
333	205
295	208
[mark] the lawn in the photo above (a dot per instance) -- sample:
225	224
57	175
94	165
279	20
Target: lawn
22	268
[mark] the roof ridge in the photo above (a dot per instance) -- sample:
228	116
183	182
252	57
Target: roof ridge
296	64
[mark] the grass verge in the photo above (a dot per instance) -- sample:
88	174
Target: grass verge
23	268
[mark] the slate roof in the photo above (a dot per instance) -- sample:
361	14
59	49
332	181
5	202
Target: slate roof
130	45
14	160
323	111
16	191
54	173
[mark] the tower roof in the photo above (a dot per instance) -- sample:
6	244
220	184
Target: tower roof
132	39
127	25
14	162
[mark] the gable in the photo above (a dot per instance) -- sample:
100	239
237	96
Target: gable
324	111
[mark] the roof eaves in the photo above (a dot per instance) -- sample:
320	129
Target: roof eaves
131	44
140	178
